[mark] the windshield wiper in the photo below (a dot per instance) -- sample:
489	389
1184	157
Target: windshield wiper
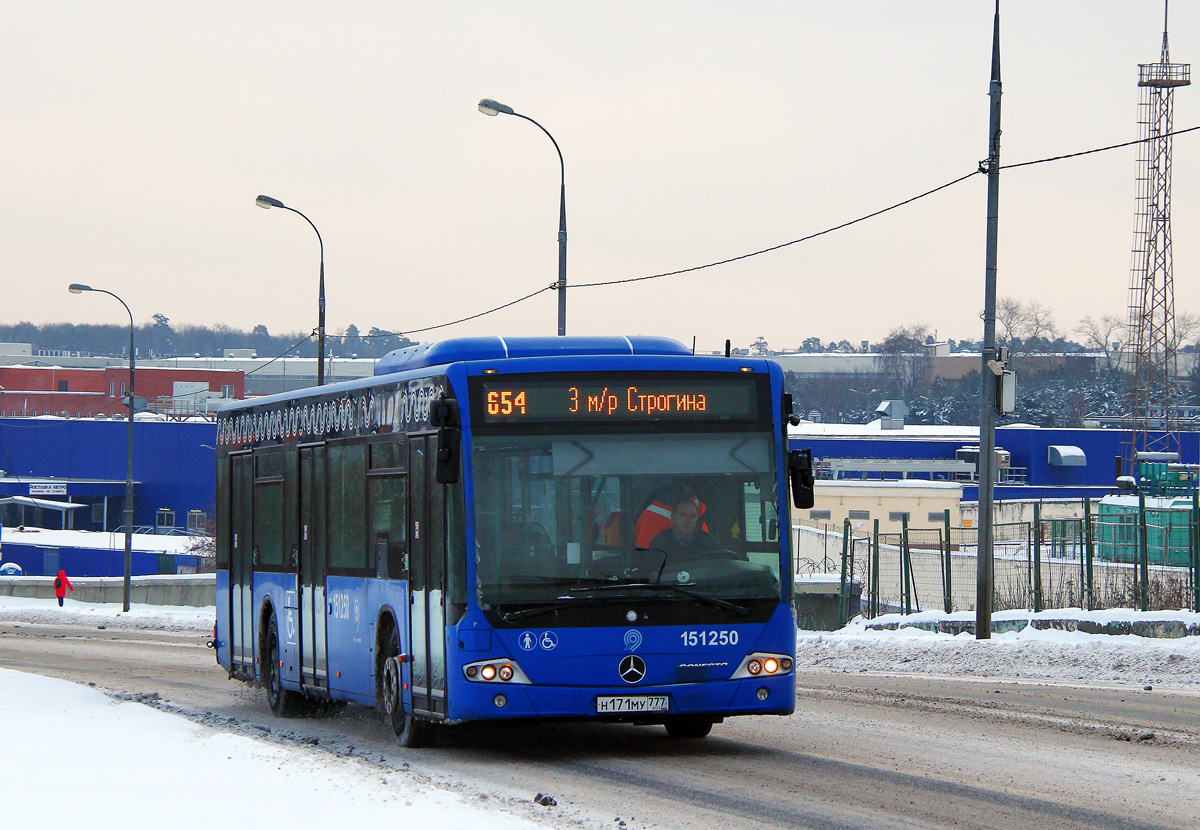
724	604
562	602
576	601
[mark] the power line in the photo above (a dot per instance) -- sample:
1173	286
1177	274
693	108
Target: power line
554	286
550	287
1100	149
783	244
811	236
299	342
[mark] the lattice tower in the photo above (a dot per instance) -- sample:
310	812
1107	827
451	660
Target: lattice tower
1150	339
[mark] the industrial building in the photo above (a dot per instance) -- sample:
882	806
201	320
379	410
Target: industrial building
1034	464
175	392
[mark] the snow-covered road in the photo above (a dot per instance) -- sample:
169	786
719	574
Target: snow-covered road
910	716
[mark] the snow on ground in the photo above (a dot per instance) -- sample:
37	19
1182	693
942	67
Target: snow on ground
1067	657
161	617
88	760
91	759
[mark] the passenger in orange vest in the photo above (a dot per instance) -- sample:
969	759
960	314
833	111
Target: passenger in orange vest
684	539
61	584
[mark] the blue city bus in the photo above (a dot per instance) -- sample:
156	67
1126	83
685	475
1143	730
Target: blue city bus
470	535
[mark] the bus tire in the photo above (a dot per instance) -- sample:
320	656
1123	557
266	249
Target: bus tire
283	702
689	726
409	730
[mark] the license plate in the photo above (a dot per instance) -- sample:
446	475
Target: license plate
632	703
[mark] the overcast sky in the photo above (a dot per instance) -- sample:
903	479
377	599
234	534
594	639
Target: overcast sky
136	136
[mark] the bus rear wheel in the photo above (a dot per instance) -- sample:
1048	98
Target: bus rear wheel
408	730
689	726
283	702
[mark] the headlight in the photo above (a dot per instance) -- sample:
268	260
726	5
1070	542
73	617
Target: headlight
495	671
760	664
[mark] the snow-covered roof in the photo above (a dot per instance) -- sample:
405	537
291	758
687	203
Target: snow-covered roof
890	483
875	430
96	540
44	504
1152	502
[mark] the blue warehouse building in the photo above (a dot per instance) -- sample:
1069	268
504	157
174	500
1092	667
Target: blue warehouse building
1034	462
71	473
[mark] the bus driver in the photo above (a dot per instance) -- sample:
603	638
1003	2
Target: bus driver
683	539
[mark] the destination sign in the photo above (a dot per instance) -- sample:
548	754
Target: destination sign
616	398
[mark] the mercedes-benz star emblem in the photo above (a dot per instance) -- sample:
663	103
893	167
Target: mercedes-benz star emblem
632	669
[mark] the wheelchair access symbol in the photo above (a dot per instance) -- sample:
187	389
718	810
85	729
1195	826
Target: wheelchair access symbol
528	640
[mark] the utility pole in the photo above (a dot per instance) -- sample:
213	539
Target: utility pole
990	357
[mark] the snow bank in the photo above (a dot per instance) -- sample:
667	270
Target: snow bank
160	617
87	760
1053	656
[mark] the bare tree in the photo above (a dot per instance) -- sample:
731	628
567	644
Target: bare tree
1009	314
1098	334
1039	323
1025	325
1186	327
903	353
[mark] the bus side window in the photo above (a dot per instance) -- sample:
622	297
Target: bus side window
388	505
347	543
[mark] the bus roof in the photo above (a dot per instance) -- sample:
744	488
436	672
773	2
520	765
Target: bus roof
458	349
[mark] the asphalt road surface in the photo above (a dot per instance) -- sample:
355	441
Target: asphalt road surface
862	750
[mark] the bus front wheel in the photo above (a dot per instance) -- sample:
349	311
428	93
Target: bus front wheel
408	730
689	726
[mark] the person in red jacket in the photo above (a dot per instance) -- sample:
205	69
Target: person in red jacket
61	584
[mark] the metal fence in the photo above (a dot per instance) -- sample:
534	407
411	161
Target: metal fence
1140	560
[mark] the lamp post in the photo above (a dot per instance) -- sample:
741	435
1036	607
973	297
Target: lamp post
77	288
266	202
991	369
489	107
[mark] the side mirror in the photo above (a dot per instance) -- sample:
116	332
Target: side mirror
789	411
443	414
800	476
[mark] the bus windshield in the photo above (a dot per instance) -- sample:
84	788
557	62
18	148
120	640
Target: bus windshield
594	519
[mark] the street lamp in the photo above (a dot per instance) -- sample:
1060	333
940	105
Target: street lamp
489	107
77	288
266	203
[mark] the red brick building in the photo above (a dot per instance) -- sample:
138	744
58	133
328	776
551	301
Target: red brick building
75	393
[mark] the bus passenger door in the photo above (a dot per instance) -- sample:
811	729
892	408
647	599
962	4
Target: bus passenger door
427	577
310	576
241	565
